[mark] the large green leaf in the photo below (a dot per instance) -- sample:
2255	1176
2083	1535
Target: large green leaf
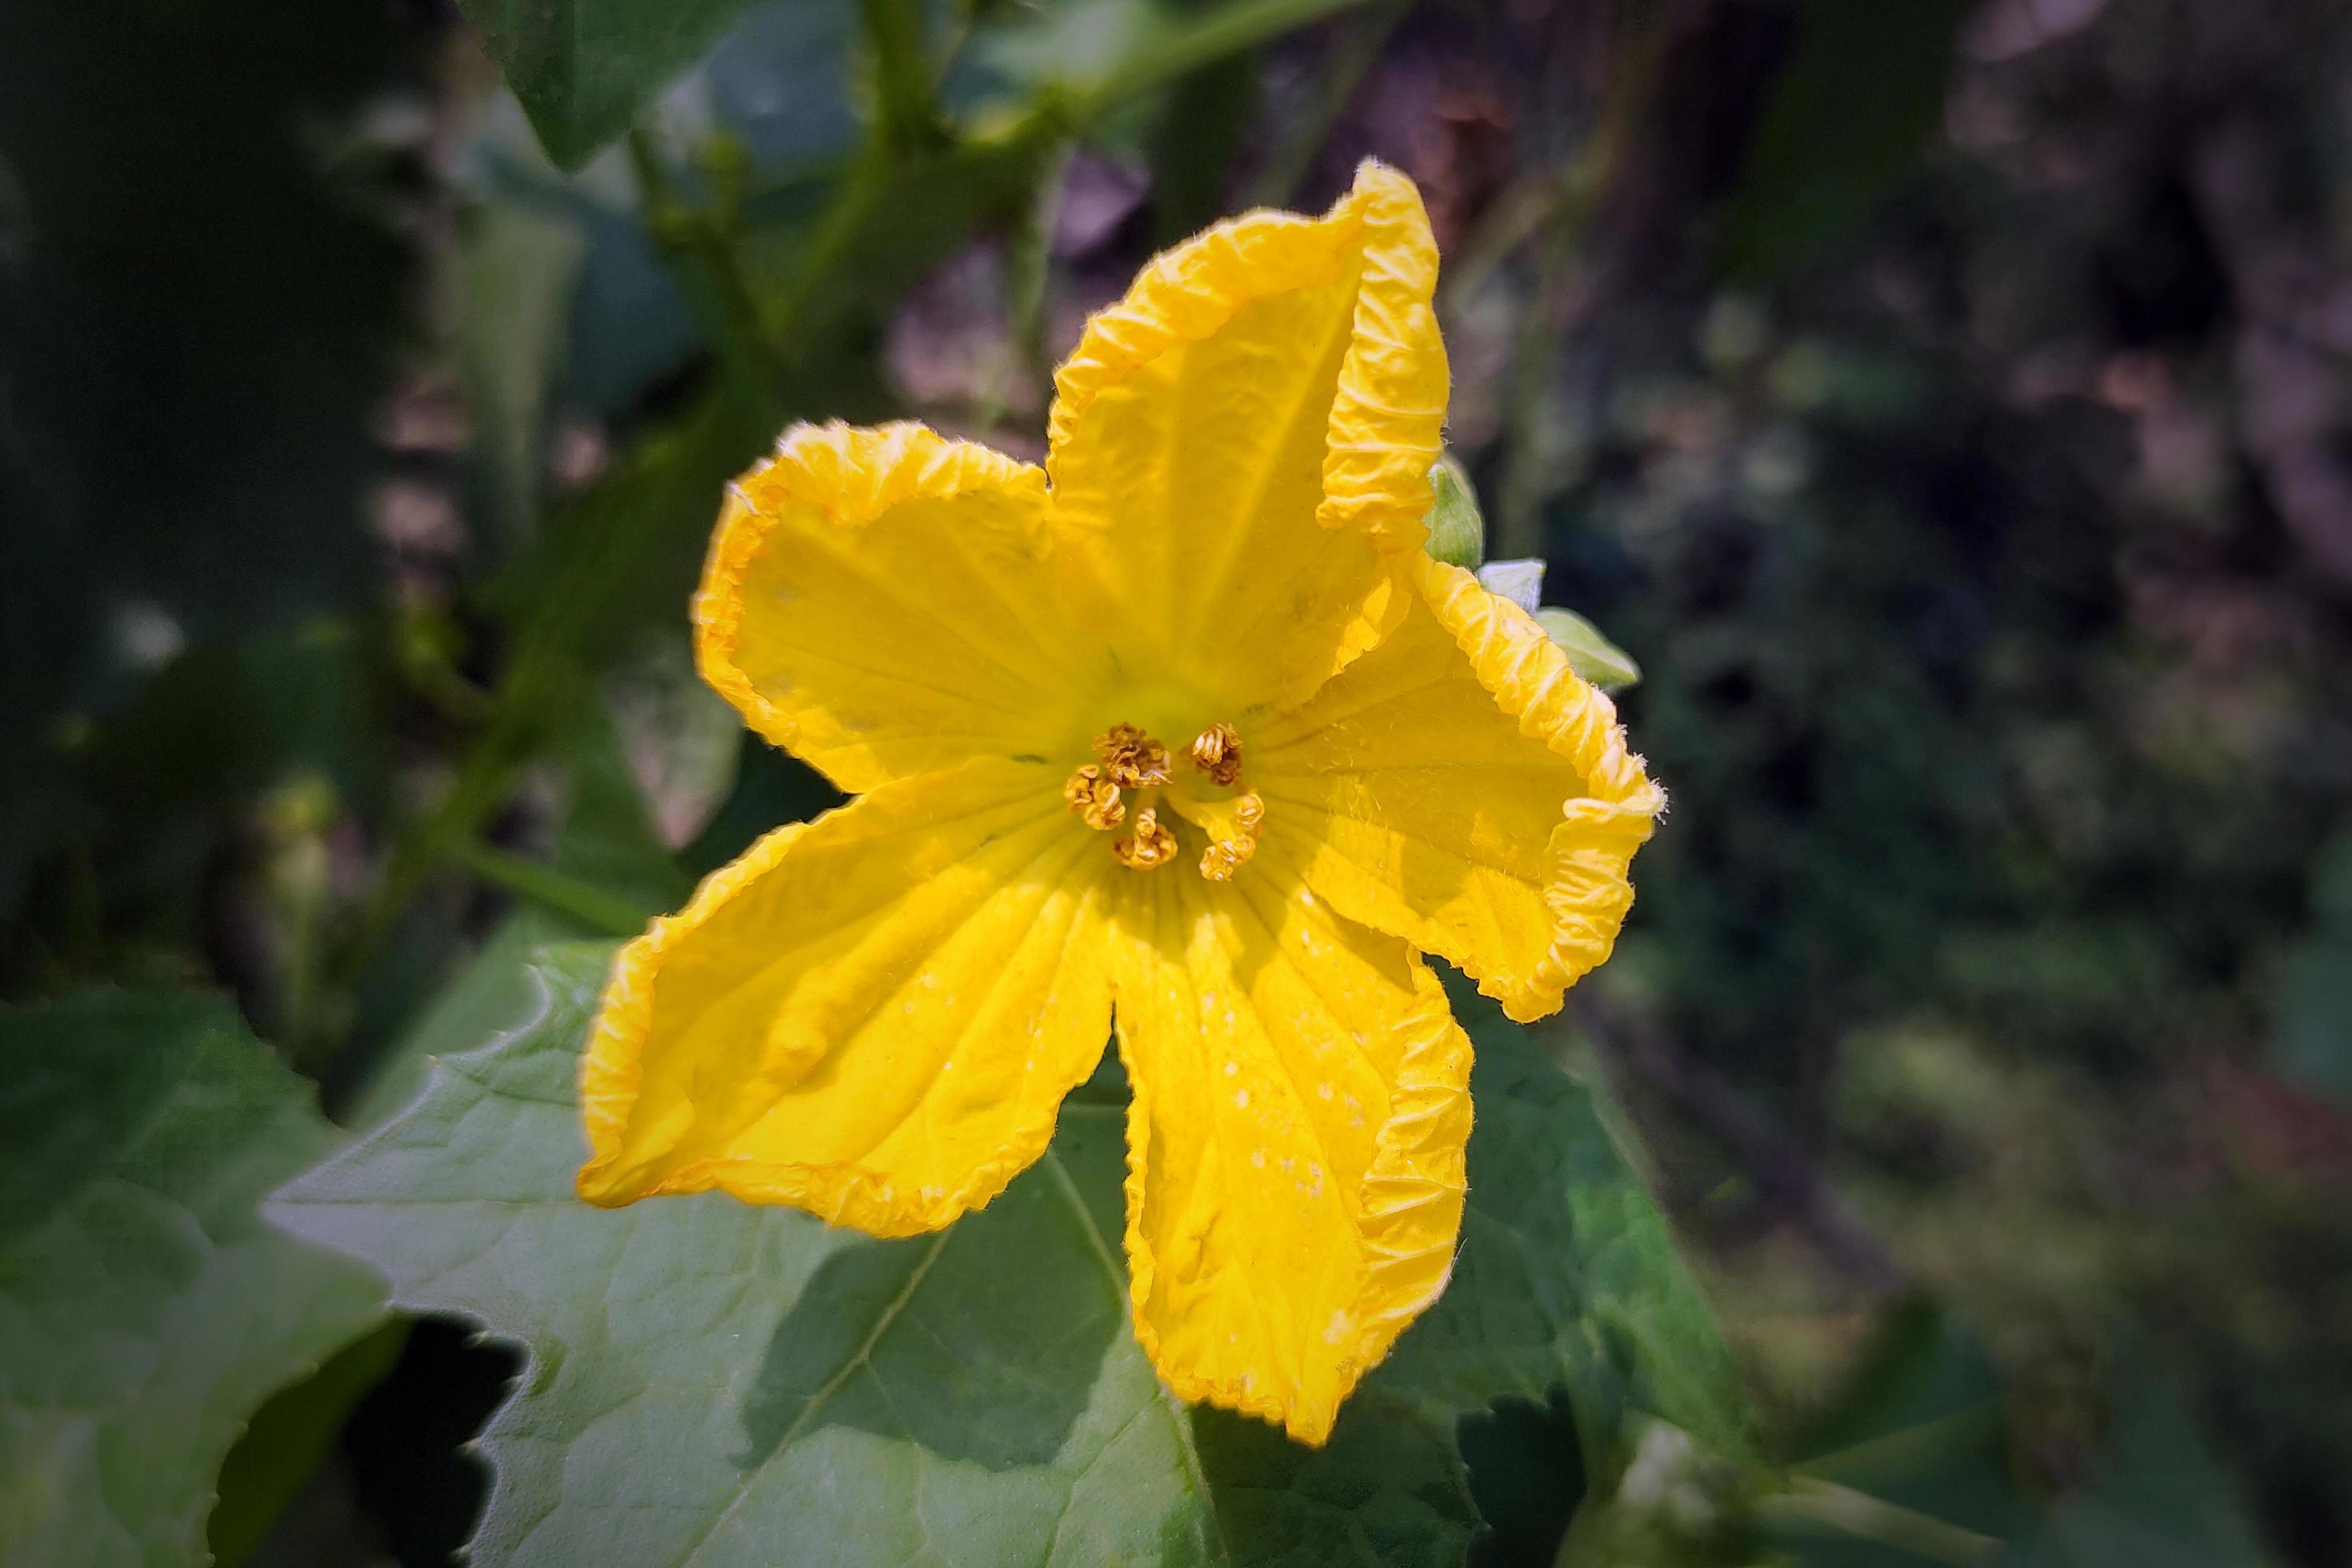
145	1310
287	1439
715	1383
712	1378
583	67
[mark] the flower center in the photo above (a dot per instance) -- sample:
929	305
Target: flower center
1210	799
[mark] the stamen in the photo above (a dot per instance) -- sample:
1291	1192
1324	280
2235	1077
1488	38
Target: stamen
1228	854
1217	752
1095	798
1151	844
1132	758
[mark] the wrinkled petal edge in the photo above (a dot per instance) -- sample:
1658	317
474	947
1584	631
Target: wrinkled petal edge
1588	858
1412	1221
1392	383
854	474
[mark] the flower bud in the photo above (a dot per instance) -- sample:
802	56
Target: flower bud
1457	529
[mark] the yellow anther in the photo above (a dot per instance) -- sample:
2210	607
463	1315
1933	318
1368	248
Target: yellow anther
1217	752
1228	853
1152	844
1095	798
1131	758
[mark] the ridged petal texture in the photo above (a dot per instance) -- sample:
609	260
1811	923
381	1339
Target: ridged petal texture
873	1016
871	603
1295	1142
1241	447
1463	788
876	1015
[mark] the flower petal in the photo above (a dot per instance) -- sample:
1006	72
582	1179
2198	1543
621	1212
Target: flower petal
873	603
1295	1143
1462	788
873	1016
1273	373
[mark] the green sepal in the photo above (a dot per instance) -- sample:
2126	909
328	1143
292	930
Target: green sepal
1457	529
1590	653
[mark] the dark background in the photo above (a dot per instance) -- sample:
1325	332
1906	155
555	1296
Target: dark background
1947	404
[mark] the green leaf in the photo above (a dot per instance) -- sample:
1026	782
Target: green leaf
1913	1463
1569	1275
1863	87
708	1380
716	1382
493	988
145	1310
288	1438
519	266
1910	1461
583	67
2155	1496
609	840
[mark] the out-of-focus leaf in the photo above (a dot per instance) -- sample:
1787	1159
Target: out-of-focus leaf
1590	653
772	787
1863	88
286	1440
783	82
608	838
142	799
231	717
2155	1497
1194	146
1568	1276
201	313
519	267
624	553
1917	1425
2311	1038
605	843
1920	1427
719	1383
146	1311
833	284
1104	52
582	67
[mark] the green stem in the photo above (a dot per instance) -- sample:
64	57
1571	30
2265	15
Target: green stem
1232	28
544	885
701	244
1867	1518
1027	264
484	780
907	114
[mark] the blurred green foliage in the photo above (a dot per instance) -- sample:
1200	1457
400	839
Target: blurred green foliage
1943	404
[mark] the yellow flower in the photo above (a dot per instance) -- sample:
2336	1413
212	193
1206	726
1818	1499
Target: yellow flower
1191	736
